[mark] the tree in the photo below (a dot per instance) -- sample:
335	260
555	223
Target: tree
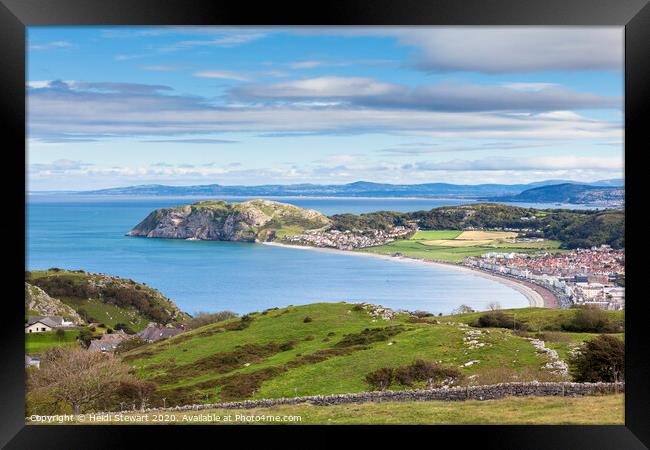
85	336
137	390
59	333
494	306
77	377
463	309
600	359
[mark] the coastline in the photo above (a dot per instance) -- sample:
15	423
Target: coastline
537	296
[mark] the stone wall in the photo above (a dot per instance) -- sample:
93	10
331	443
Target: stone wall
461	393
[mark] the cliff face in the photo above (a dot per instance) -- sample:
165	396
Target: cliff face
39	303
251	221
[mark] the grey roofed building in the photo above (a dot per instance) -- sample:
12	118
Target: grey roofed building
108	342
153	333
50	321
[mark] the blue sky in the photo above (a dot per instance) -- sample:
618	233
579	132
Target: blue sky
117	106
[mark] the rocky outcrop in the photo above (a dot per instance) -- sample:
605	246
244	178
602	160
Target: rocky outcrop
37	302
124	293
251	221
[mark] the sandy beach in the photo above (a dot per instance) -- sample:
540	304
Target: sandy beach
537	296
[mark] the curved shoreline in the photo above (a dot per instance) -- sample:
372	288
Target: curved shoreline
537	296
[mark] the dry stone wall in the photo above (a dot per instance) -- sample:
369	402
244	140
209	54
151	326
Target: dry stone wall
460	393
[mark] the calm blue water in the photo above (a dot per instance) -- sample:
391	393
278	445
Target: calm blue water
88	234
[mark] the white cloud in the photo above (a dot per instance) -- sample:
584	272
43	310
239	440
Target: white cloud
436	97
53	45
317	88
222	74
224	40
125	109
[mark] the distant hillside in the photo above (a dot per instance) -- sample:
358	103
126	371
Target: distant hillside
105	298
579	194
255	220
263	220
356	189
574	228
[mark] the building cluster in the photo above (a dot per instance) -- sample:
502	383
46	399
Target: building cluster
349	240
107	343
579	277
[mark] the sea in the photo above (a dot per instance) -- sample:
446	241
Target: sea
89	233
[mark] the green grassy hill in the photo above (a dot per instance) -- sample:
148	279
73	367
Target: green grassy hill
278	353
106	299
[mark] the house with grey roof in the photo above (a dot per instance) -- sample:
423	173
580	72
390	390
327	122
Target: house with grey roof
155	333
39	324
108	342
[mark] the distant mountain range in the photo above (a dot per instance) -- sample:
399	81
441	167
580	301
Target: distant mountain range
579	194
357	189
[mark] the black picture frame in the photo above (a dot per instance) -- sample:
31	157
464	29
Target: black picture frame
16	15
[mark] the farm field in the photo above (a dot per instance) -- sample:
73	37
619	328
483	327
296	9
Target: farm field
280	353
456	245
37	343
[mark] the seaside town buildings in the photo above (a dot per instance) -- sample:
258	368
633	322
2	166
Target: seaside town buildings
348	240
579	277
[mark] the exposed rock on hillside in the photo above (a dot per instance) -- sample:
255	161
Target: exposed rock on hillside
37	302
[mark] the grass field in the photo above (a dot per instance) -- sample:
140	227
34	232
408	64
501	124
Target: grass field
37	343
456	245
278	354
592	410
108	314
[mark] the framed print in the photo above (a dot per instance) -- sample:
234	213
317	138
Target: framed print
356	214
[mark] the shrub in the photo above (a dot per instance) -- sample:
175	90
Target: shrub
59	333
204	318
433	373
404	376
554	336
421	314
85	336
124	327
129	344
307	319
358	307
591	320
381	379
370	335
498	319
287	346
600	359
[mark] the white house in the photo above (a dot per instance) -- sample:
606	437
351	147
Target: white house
41	324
